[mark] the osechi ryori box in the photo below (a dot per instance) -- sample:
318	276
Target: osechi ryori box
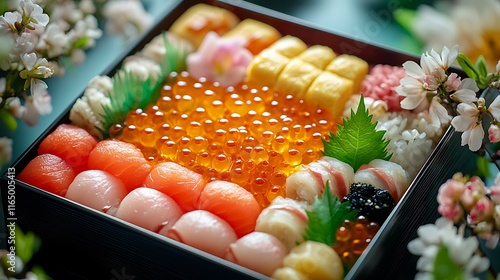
234	142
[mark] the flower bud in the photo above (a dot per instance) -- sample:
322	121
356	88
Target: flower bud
482	211
451	211
494	133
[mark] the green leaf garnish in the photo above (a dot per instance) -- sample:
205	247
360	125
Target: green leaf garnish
326	217
130	92
467	66
357	142
8	120
444	267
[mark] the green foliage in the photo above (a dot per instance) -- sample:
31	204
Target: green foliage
131	92
8	120
326	217
444	267
477	71
357	142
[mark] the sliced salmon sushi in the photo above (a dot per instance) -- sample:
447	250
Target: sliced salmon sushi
232	203
97	189
178	182
124	160
48	172
71	143
149	209
217	234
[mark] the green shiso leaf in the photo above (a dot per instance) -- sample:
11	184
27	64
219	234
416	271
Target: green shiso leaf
131	92
444	267
326	217
357	142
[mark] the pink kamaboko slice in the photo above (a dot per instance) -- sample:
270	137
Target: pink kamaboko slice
385	175
309	182
259	251
285	219
149	209
97	189
204	231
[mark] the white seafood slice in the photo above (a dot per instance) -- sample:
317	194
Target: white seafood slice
309	182
149	209
385	175
268	249
205	231
97	189
286	219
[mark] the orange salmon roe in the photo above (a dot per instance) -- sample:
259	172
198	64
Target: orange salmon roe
251	136
353	237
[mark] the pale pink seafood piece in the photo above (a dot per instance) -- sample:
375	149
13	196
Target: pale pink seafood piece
259	251
205	231
149	209
97	189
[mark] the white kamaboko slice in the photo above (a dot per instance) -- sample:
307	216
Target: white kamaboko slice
385	175
315	260
205	231
149	209
286	219
309	181
97	189
259	251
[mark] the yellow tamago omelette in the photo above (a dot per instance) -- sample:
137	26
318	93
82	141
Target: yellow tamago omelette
350	67
296	77
318	56
330	91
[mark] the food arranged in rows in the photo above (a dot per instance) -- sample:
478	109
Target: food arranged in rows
281	154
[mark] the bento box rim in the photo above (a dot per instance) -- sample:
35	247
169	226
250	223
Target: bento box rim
172	13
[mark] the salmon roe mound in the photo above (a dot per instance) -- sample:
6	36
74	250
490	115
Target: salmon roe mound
253	137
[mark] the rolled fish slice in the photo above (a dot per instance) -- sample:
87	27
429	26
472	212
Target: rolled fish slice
203	230
149	209
97	189
258	251
385	175
309	182
285	219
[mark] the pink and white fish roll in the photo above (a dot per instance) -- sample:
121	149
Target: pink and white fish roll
309	181
149	209
385	175
285	219
259	251
97	189
205	231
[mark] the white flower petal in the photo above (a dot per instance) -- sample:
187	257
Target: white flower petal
416	246
413	70
452	56
29	60
462	253
469	83
463	123
411	102
465	137
464	95
469	110
438	113
494	108
476	138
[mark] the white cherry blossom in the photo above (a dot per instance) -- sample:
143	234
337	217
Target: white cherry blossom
466	91
447	57
32	14
469	123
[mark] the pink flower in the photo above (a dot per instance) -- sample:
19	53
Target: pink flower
451	191
474	190
222	60
494	192
482	211
452	211
494	133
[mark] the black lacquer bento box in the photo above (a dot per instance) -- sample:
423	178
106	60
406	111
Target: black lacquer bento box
81	243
